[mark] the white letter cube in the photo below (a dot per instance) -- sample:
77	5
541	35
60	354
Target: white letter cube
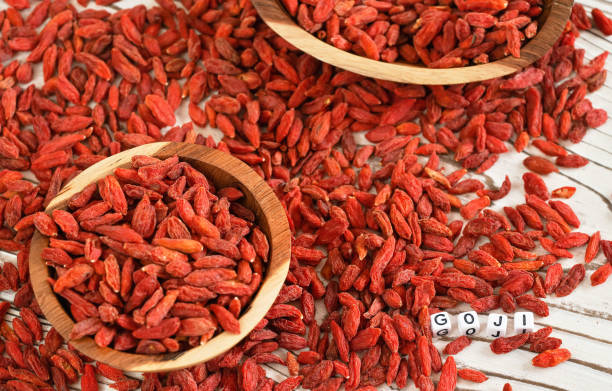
497	325
440	324
523	322
468	323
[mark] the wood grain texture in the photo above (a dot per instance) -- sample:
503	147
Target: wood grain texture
222	170
552	22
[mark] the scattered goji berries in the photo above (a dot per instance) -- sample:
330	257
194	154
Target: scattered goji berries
374	240
472	375
603	23
551	358
457	345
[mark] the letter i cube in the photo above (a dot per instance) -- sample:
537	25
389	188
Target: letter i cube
523	322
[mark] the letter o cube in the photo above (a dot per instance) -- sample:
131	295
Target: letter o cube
468	323
497	325
440	324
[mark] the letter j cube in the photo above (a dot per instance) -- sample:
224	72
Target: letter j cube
497	325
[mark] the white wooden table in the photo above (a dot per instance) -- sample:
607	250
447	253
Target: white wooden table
582	320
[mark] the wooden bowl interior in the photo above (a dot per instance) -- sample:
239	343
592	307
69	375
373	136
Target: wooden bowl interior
222	170
552	21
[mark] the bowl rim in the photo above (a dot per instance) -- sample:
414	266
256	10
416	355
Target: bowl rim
279	237
556	13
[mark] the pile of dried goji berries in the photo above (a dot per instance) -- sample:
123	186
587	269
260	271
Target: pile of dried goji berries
440	34
372	236
187	267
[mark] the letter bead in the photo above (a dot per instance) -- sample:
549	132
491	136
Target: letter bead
523	322
469	323
497	325
440	324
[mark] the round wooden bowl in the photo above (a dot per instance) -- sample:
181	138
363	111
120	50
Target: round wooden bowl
221	169
552	22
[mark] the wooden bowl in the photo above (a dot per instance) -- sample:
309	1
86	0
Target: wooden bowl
223	170
552	22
